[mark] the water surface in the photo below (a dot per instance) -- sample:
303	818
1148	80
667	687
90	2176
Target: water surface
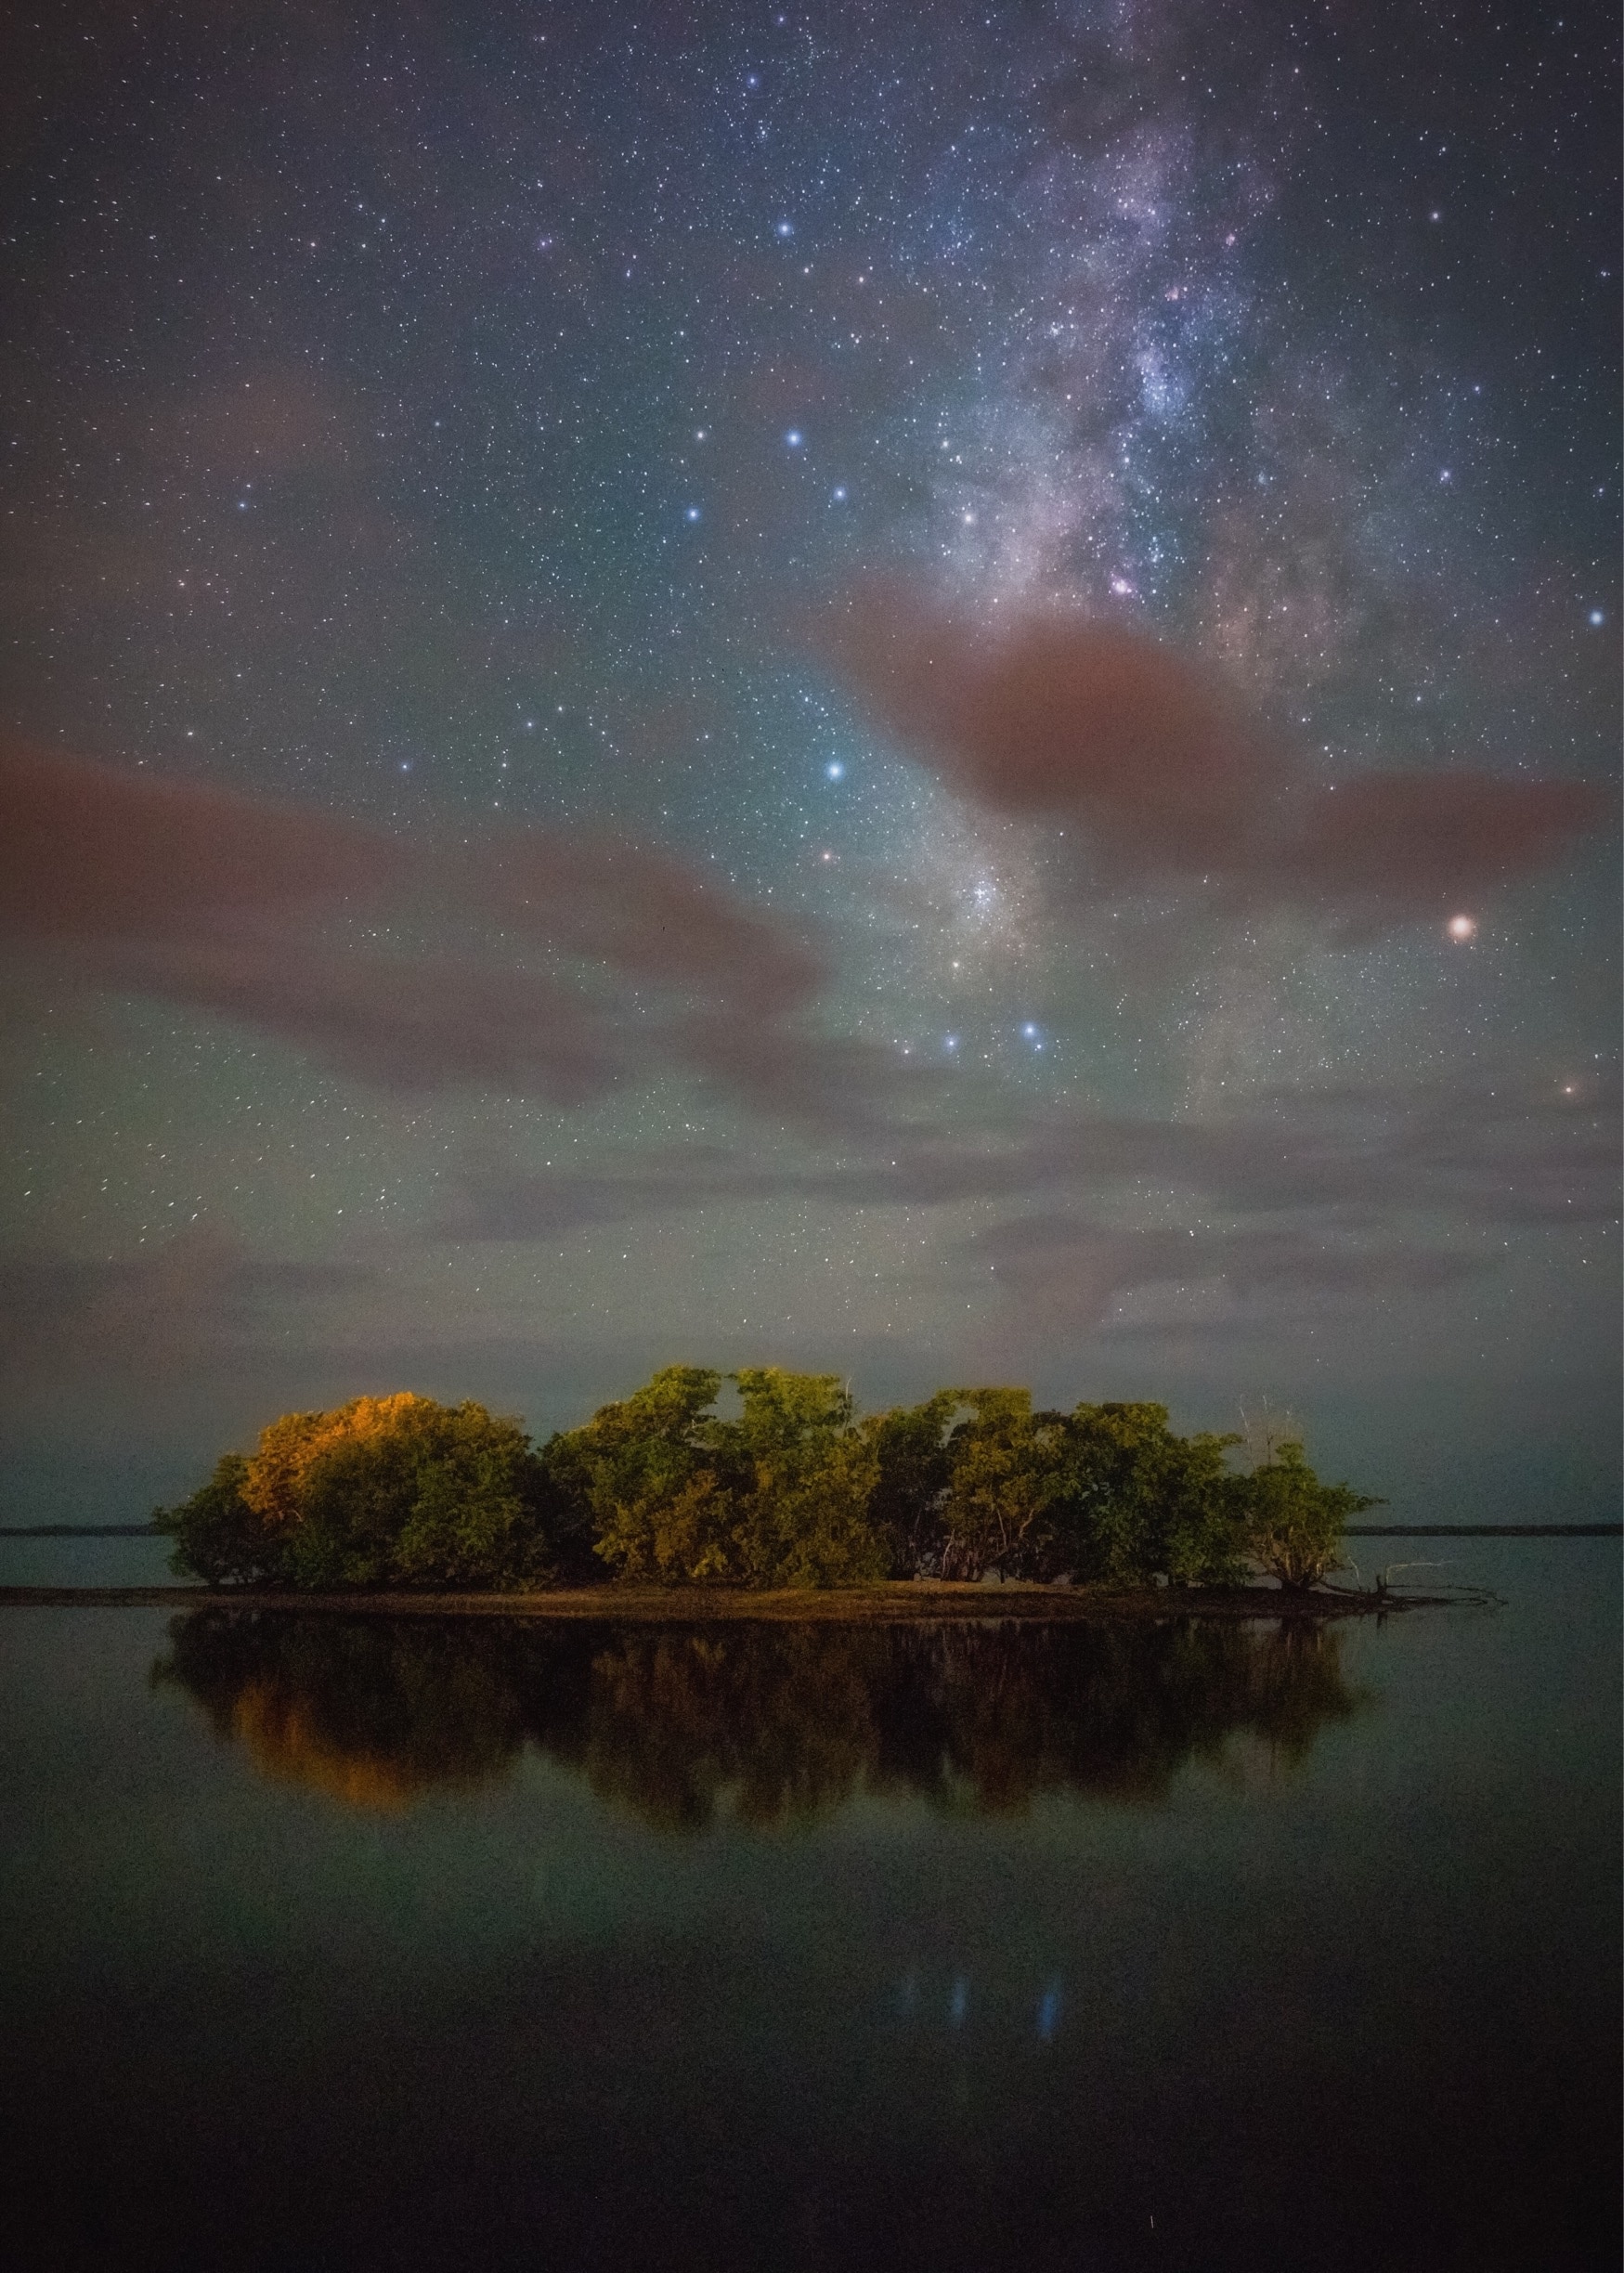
353	1943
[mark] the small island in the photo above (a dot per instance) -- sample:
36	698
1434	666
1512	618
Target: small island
790	1504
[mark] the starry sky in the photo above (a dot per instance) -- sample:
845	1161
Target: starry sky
923	692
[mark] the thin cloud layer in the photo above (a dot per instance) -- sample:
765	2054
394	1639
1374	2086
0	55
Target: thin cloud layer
1174	785
163	1307
1439	1160
271	915
1067	1272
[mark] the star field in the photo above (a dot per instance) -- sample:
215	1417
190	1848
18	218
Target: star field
540	435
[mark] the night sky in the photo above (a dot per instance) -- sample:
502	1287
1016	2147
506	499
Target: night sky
929	692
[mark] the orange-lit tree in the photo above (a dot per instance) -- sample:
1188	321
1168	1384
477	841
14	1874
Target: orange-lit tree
397	1490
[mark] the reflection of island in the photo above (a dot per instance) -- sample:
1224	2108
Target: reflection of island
767	1724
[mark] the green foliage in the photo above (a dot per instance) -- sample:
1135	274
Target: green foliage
562	1499
1292	1521
792	1490
1107	1493
803	1478
386	1491
777	1497
648	1471
217	1535
914	1471
1133	1502
1003	1477
438	1497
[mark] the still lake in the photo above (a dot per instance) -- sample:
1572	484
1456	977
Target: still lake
349	1944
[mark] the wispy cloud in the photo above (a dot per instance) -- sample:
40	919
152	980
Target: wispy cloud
1306	1175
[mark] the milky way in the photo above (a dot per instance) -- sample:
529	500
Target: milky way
926	692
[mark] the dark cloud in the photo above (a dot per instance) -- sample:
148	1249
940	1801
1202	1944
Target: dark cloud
645	914
1174	783
273	916
1400	845
396	1021
91	852
831	1084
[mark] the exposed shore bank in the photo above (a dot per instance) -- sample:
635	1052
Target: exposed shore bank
899	1601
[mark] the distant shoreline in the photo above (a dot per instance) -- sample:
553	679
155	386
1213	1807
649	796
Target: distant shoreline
80	1531
1609	1530
899	1602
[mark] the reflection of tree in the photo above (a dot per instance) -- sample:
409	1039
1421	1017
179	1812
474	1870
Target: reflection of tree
1124	1713
769	1724
372	1713
777	1724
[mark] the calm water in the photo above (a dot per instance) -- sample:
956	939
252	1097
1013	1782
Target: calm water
359	1944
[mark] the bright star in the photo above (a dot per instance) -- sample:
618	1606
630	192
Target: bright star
785	228
1596	618
834	770
794	437
1462	927
840	496
1031	1033
691	513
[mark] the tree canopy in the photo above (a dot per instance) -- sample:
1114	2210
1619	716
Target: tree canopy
395	1491
778	1497
1295	1522
791	1488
